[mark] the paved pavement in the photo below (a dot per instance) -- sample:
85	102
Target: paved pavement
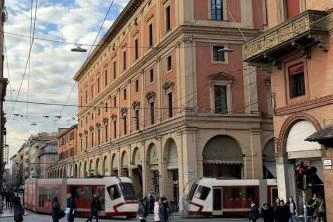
31	217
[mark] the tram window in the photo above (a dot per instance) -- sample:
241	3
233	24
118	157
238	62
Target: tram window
128	191
250	192
192	190
202	193
114	192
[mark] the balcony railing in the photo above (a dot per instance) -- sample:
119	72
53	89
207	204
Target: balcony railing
308	24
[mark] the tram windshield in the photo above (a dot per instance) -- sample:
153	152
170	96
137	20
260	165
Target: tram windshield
127	191
192	191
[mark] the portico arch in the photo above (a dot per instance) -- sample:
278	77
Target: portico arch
136	167
114	165
222	157
152	173
124	164
170	167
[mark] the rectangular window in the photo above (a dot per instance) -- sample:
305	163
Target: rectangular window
170	108
86	96
114	192
137	85
106	107
216	8
152	113
150	35
98	137
114	102
115	129
81	101
151	75
105	78
97	85
220	97
124	61
125	125
106	133
169	63
92	91
296	80
125	94
136	49
137	120
167	19
218	54
114	70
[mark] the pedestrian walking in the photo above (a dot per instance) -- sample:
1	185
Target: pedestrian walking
18	209
95	206
70	210
157	210
275	208
282	212
142	211
57	213
254	212
292	209
164	210
267	213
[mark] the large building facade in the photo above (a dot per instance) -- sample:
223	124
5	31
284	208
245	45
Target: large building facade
297	50
166	98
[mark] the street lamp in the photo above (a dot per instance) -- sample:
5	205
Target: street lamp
225	49
78	49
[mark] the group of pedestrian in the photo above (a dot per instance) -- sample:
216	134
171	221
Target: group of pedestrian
279	212
161	210
7	196
58	213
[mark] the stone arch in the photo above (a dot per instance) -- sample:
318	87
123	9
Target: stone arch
136	174
171	170
222	157
80	170
152	172
105	169
85	169
124	164
268	160
90	168
287	125
96	170
114	165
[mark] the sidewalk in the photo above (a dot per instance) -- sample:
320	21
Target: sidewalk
6	212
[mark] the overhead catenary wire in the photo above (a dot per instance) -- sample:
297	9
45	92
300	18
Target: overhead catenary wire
91	48
28	58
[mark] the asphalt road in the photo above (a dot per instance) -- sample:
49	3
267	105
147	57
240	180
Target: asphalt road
31	217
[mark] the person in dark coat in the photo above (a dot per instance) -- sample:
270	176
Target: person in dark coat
267	213
57	213
95	206
71	208
18	210
142	211
282	212
164	210
254	212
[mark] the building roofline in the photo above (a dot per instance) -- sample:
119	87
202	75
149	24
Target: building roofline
117	25
66	131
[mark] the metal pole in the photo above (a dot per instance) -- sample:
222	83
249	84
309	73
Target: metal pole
304	199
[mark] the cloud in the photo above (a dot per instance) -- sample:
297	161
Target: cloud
49	78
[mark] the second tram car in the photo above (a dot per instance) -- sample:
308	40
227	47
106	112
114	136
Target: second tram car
116	195
218	197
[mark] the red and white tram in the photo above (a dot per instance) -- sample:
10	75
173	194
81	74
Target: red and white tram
115	193
218	197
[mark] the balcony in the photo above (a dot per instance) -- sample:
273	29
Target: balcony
297	34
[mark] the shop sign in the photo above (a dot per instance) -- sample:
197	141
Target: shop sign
327	164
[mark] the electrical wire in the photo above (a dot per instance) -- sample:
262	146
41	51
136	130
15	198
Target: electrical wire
29	55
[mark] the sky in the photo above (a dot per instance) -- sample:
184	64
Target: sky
47	77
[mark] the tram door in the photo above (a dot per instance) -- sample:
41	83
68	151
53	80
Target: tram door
217	201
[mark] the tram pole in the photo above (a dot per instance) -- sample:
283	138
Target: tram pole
304	199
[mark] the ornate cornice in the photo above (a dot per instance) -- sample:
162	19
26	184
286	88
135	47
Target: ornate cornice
136	105
167	85
150	95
